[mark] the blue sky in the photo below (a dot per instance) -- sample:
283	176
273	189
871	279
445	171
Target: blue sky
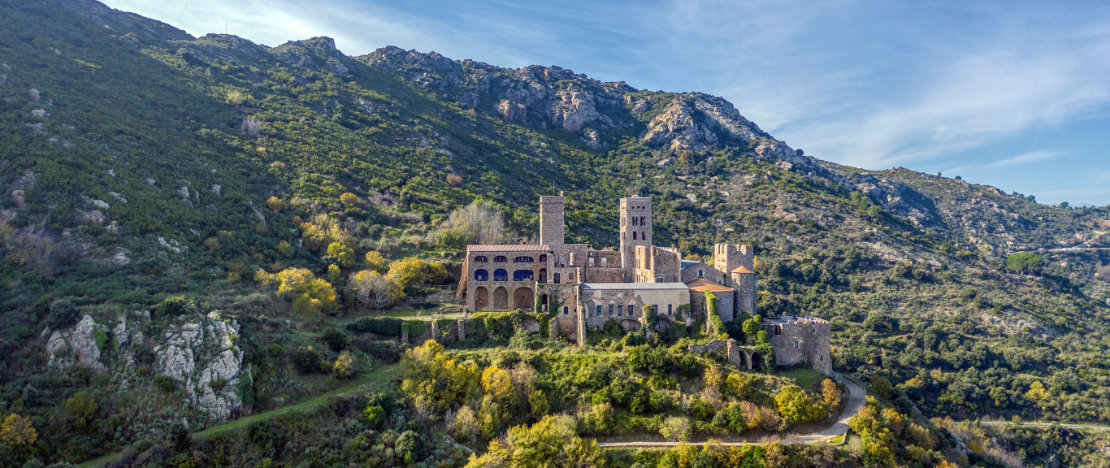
1011	94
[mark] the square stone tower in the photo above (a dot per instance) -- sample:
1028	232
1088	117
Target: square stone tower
635	218
551	221
728	257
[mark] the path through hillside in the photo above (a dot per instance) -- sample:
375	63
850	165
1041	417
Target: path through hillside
856	396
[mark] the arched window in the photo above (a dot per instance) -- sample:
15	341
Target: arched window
566	310
642	221
481	275
522	275
543	257
523	259
643	235
500	275
480	259
500	259
701	273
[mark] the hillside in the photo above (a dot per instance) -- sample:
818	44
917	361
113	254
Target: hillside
147	176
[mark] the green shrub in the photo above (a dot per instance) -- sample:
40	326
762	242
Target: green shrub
335	339
165	383
306	360
385	326
63	314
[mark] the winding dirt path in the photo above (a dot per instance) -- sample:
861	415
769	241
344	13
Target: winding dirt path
856	396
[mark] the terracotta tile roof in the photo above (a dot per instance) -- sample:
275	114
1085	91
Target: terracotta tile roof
743	269
702	285
507	248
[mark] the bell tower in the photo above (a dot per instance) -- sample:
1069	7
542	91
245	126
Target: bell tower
635	218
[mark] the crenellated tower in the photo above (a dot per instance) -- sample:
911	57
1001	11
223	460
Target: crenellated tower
737	262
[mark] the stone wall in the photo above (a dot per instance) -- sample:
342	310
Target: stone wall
690	273
800	340
725	304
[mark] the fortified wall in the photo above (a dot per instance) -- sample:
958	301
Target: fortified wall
800	340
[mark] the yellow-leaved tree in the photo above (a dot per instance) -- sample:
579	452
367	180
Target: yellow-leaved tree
310	296
17	430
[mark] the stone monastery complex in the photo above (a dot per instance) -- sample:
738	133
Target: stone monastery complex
585	287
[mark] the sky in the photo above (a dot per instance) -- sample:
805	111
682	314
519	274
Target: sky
1011	94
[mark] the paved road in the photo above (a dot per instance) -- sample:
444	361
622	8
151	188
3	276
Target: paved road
1094	427
856	396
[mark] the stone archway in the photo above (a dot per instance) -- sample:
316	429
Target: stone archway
481	298
757	362
630	324
524	298
501	298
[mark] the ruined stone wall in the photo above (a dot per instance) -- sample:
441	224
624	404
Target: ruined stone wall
798	340
726	307
614	306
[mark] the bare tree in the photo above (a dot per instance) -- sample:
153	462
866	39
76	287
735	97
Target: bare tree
478	222
373	290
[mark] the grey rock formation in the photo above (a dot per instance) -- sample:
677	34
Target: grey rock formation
77	344
204	357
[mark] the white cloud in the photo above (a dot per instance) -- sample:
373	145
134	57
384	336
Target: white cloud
1025	158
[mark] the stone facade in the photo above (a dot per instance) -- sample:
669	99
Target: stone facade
510	276
800	340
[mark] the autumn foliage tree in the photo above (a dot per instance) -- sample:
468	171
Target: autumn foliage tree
309	295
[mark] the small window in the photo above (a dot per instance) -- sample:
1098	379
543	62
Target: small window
523	259
599	309
655	308
480	259
500	275
797	344
556	277
631	310
566	310
500	259
670	310
610	310
642	223
634	235
543	258
701	273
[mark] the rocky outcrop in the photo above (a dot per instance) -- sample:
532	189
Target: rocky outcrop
555	97
205	358
78	344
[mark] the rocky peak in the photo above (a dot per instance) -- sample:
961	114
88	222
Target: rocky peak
317	52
